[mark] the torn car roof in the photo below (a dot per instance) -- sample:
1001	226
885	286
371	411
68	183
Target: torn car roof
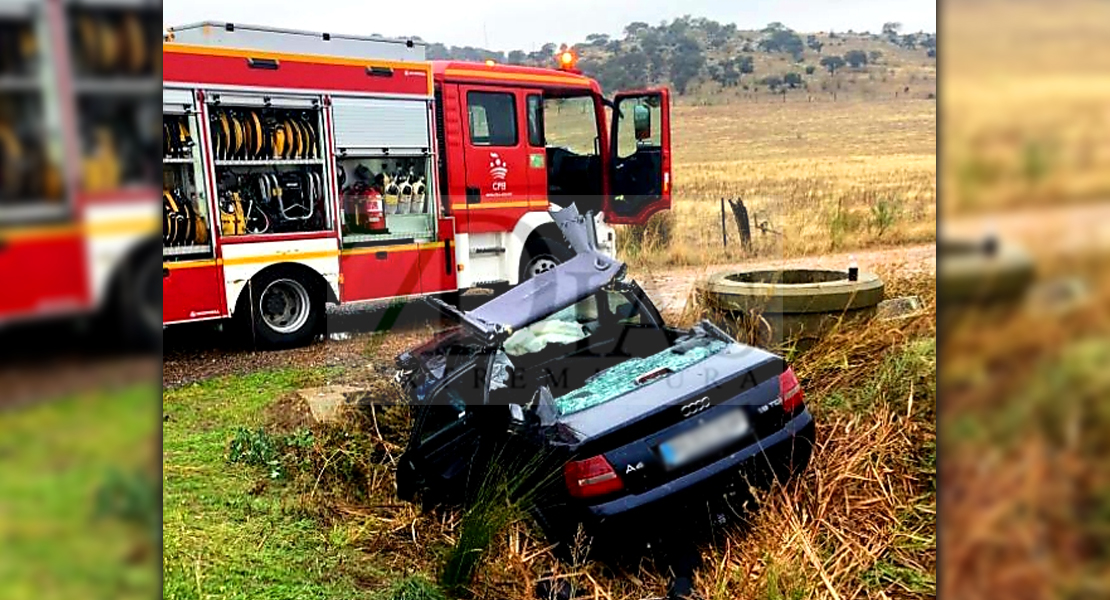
547	293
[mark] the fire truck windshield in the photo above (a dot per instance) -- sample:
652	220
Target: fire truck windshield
573	151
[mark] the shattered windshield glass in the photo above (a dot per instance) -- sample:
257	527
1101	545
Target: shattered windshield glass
627	376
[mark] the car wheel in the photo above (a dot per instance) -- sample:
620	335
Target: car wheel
284	310
542	255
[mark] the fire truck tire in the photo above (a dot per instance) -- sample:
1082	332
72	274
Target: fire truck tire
137	300
542	254
282	309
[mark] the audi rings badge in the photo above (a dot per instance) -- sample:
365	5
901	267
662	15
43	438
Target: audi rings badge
695	407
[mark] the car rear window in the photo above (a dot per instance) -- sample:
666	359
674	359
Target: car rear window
627	376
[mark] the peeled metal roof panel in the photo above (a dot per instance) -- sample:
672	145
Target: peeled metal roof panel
547	293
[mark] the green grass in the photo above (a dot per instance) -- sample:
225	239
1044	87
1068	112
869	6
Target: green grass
910	580
910	371
415	587
226	536
77	497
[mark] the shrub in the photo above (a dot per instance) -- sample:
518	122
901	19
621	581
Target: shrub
884	214
257	448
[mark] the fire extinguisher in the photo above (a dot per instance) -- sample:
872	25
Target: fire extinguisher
371	213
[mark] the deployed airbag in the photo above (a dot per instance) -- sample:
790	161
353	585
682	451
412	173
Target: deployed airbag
536	337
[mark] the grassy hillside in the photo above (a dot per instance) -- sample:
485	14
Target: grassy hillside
716	62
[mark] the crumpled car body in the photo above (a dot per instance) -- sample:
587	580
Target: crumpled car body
627	416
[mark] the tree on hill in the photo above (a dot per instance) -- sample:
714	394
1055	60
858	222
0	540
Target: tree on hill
814	44
892	28
794	80
856	58
782	40
772	81
635	28
686	63
731	70
719	35
597	39
874	56
832	63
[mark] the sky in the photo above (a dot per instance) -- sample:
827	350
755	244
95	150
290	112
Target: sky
527	25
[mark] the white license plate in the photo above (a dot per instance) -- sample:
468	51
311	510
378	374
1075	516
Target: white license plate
704	440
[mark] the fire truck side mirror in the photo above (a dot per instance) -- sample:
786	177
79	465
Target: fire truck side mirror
641	122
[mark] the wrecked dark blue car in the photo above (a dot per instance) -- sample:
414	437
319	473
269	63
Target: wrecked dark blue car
576	371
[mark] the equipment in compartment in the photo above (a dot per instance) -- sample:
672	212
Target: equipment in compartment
392	194
182	224
404	204
177	141
113	41
233	220
254	134
271	201
381	189
18	47
25	172
420	196
102	168
362	203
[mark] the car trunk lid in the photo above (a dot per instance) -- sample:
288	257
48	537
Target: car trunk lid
629	430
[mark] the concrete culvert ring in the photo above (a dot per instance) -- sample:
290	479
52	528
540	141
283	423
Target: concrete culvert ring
981	271
799	305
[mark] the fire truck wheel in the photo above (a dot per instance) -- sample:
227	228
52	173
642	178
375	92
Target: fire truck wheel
138	301
283	311
542	255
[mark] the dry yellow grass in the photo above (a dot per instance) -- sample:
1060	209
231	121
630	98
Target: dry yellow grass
818	174
1026	105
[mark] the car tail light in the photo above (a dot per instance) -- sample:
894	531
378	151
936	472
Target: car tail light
591	477
791	391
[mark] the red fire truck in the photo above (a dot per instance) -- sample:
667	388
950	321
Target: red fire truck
77	175
303	169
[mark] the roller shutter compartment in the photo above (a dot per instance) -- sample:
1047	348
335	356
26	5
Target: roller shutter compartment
380	123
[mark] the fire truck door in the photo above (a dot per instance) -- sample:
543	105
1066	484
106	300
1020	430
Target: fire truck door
496	153
640	161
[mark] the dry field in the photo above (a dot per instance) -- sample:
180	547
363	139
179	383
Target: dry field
1027	105
823	176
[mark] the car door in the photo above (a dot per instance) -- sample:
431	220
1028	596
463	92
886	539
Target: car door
445	435
640	160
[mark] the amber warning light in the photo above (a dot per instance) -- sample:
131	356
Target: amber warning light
568	60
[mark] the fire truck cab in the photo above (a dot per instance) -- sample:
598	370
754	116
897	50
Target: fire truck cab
302	169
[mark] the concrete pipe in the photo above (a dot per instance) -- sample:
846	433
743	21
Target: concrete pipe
981	271
794	306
